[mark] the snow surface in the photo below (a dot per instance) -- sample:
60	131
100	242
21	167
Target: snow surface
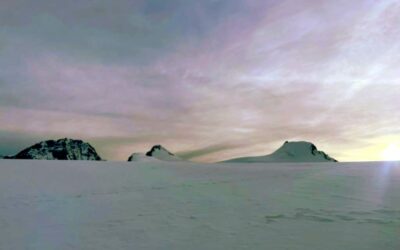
297	151
182	205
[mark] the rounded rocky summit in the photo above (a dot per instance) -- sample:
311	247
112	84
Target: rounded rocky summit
62	149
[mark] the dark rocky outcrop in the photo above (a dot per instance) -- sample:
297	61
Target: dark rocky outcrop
62	149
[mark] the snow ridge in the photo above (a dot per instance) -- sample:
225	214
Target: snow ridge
297	151
141	157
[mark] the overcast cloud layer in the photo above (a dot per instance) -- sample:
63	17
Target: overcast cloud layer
210	79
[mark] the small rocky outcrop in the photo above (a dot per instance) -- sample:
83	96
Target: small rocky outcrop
156	152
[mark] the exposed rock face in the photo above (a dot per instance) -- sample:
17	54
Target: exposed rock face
291	152
62	149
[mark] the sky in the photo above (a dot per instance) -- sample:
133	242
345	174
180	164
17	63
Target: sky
208	79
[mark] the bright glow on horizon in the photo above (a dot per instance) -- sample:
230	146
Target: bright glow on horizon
391	153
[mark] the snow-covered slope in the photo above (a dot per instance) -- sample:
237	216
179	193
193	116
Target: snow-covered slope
180	205
62	149
300	151
141	157
161	153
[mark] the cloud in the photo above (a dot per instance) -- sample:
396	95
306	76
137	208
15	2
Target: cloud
210	79
122	31
11	142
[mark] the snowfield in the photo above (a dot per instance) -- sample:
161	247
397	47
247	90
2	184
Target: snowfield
181	205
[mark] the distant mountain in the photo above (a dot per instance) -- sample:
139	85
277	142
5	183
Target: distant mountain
156	152
300	151
62	149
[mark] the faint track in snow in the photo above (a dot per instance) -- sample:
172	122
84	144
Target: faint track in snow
379	216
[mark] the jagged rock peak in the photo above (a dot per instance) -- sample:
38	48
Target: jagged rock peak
161	153
156	148
62	149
